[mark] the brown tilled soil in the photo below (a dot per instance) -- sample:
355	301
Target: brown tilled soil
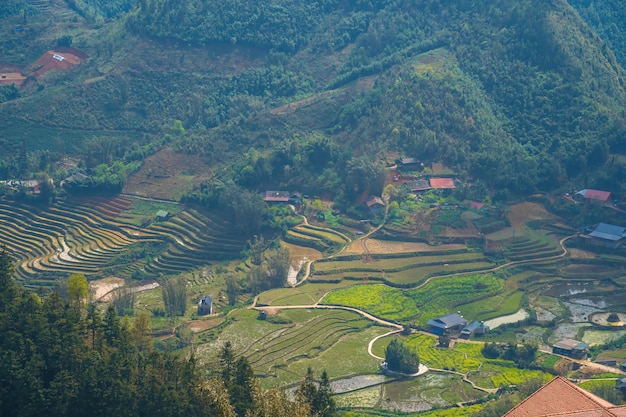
202	325
523	212
8	78
386	246
47	62
167	175
102	287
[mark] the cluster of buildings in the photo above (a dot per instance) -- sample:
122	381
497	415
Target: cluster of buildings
455	325
30	186
604	234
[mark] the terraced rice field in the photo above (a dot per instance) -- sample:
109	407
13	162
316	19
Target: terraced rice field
402	270
319	334
87	236
281	353
318	238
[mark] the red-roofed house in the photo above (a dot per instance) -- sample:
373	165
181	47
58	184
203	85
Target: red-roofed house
596	196
560	397
442	183
475	205
276	196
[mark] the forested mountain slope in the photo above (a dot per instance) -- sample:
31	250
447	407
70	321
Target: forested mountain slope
524	94
608	19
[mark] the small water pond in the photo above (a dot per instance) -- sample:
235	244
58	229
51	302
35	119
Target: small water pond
356	382
511	318
571	288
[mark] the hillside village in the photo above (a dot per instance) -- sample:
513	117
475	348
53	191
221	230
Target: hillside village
312	209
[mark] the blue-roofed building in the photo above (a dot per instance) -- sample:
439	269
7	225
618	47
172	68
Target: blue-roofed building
448	324
474	328
205	306
608	235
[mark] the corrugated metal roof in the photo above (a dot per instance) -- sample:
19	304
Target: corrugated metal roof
447	321
595	194
608	232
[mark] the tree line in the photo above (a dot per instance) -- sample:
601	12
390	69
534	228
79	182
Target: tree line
69	360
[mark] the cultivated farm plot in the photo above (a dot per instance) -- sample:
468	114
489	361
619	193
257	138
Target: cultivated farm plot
464	357
87	236
376	246
433	390
167	175
467	359
438	297
307	294
400	269
527	211
334	340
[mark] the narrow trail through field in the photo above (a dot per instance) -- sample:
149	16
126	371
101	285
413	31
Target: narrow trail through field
362	239
371	343
271	309
307	266
590	364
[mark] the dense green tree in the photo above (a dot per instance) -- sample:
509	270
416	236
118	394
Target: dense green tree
364	175
400	358
77	289
277	262
174	292
233	288
317	395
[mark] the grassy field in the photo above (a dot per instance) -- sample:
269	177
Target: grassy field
280	353
507	302
141	209
394	264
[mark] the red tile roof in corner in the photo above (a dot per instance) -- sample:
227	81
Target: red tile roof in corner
442	183
560	397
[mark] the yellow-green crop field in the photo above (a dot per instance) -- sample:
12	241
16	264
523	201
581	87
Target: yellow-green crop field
465	358
436	298
309	293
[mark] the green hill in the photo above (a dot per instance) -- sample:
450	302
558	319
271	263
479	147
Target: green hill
524	95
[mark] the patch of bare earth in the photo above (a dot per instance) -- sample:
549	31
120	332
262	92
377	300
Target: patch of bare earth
591	270
168	175
197	326
102	288
387	246
524	212
580	254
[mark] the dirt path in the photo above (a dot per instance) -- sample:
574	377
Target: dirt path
466	379
585	362
305	222
328	307
371	343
